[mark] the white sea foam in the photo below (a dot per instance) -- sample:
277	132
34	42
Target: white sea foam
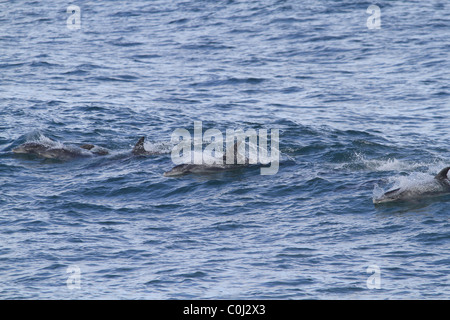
43	139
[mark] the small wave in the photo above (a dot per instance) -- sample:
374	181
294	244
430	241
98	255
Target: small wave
11	65
76	72
124	78
43	64
393	164
146	56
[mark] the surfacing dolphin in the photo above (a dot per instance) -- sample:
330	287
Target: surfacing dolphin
183	169
60	152
438	186
53	150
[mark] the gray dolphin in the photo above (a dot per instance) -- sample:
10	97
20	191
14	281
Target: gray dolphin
63	153
438	186
183	169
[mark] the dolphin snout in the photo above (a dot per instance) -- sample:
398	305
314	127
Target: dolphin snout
171	174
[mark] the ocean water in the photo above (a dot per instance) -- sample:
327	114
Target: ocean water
359	111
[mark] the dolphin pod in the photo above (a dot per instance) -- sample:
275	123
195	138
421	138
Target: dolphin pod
53	150
438	186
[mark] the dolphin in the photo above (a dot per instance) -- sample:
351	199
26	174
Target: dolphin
438	186
186	168
57	152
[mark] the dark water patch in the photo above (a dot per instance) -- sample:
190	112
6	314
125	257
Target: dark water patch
230	81
146	56
290	283
179	21
432	238
126	14
118	78
193	275
126	44
206	46
11	65
233	225
44	64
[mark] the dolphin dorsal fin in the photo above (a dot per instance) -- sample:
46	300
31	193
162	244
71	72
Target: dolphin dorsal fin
443	174
139	147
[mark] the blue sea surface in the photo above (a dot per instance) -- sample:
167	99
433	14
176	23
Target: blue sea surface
360	111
